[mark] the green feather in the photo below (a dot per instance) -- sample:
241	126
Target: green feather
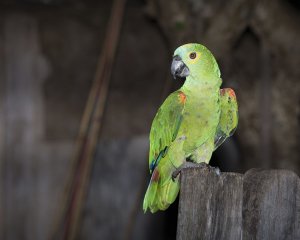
188	124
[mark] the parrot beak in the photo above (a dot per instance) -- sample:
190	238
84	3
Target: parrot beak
178	68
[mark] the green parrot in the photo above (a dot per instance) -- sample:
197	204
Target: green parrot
191	123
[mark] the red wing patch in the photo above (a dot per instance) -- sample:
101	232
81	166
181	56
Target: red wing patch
182	97
155	176
230	92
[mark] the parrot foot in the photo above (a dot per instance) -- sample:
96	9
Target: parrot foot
202	165
184	165
216	170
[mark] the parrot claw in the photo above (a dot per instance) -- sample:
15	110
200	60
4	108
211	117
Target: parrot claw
176	173
217	171
184	165
201	165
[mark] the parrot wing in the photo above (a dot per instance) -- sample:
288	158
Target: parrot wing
165	127
228	116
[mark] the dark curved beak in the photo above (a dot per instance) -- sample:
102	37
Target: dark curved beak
178	68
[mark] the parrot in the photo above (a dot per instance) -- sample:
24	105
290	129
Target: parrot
190	125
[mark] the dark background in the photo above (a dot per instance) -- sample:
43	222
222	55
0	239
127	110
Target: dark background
48	56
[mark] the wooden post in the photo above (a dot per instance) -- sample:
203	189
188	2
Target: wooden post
258	205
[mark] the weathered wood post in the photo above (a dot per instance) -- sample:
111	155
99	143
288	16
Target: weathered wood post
261	204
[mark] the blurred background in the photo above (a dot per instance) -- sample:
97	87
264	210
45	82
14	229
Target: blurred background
61	60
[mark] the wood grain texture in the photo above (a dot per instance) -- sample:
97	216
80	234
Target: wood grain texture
271	205
210	206
262	204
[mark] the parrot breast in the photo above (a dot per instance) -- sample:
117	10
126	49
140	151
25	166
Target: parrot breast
200	119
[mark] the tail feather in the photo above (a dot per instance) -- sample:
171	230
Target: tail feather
160	195
167	194
150	196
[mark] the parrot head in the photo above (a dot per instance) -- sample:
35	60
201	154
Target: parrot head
195	62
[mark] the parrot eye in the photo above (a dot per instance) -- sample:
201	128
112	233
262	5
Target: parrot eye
193	55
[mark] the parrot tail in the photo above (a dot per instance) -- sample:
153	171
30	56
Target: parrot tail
161	192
